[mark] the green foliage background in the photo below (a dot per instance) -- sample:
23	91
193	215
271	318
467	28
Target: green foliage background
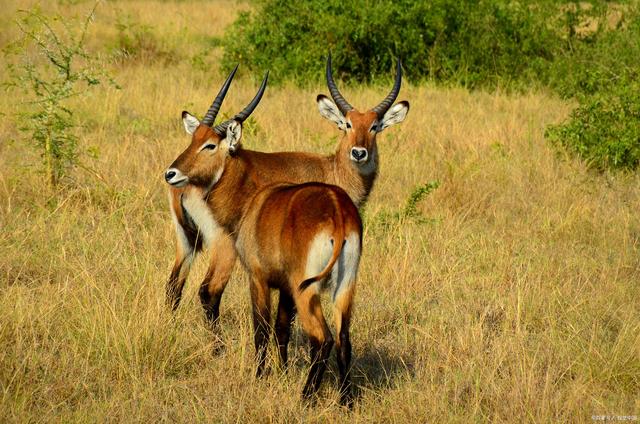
584	50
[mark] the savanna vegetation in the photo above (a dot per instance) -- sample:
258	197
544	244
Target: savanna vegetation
499	277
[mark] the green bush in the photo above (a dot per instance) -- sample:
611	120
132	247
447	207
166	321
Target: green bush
604	129
477	43
464	41
603	74
604	61
410	212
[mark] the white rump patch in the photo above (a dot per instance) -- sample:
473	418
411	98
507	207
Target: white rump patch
346	269
318	256
199	211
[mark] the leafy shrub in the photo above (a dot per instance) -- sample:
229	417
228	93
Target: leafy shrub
417	195
410	212
603	73
604	129
471	42
606	59
52	68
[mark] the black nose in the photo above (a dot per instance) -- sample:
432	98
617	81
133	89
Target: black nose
358	154
169	174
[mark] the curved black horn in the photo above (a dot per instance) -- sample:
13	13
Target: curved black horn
215	106
342	104
244	114
384	106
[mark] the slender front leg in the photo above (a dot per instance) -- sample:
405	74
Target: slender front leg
261	302
185	251
222	260
286	314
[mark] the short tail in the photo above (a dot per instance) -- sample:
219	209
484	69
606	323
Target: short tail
338	243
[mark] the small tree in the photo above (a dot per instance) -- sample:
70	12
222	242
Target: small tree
52	66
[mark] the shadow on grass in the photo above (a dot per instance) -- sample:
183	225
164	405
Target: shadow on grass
379	368
373	368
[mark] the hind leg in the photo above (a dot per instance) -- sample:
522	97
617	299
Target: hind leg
222	260
261	302
342	314
284	319
313	322
343	307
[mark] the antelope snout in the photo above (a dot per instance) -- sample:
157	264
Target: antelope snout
359	154
176	178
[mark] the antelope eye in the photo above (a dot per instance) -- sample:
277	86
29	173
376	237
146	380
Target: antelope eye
374	127
209	146
348	125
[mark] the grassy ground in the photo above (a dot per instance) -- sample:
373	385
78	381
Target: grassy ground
516	300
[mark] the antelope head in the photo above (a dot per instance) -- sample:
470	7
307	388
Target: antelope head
202	163
361	128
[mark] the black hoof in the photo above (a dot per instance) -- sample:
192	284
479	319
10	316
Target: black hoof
309	400
218	348
346	400
263	372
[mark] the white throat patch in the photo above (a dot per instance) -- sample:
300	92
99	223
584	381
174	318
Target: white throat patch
199	211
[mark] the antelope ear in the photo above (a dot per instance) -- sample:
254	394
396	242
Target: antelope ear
234	134
330	111
190	122
395	115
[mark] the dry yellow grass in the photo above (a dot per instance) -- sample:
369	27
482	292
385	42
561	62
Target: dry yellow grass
517	302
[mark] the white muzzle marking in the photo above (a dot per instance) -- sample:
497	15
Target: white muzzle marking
359	154
176	178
